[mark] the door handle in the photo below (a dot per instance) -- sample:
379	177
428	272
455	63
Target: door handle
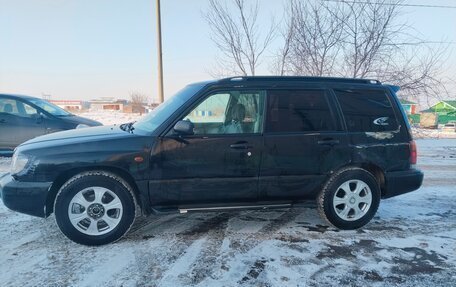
330	142
243	145
2	121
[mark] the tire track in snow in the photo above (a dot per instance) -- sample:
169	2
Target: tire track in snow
155	263
22	269
182	264
208	259
112	264
234	255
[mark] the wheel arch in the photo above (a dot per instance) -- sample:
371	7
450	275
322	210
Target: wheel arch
63	177
372	168
371	173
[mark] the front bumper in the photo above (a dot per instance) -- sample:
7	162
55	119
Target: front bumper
24	197
400	182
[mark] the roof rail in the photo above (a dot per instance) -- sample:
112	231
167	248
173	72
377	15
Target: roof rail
300	79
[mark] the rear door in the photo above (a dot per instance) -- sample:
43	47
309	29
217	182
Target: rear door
219	164
374	127
304	143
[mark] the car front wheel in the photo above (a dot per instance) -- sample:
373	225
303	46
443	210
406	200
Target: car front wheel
95	208
350	198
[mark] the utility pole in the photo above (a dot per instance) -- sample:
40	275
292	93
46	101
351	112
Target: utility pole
160	61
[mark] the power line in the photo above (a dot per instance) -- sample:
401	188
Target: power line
394	4
425	42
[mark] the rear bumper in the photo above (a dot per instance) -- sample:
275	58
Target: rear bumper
24	197
400	182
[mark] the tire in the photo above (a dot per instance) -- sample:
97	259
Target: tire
95	208
350	198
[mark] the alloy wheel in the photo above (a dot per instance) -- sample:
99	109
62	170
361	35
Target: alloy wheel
95	211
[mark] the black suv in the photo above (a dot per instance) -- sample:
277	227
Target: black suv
245	142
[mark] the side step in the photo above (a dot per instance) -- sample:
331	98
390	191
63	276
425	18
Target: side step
239	207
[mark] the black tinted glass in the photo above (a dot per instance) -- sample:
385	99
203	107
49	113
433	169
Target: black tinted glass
298	111
367	110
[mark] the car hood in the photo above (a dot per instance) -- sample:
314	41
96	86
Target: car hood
77	120
81	135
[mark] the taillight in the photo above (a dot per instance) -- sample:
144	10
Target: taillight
413	152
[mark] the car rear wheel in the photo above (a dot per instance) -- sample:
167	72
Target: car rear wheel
350	198
95	208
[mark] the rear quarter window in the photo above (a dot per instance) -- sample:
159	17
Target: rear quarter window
367	110
8	106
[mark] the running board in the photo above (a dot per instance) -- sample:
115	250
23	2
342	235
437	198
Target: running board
221	208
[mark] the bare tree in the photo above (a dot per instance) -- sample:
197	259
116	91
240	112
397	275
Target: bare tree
317	38
281	64
371	33
418	71
360	39
236	34
377	44
138	100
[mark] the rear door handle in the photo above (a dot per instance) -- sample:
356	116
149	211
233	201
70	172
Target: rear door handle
241	146
2	121
329	142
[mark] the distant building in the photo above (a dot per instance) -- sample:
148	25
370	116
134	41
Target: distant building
409	107
136	109
107	103
443	107
446	111
70	105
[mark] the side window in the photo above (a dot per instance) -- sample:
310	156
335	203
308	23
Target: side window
17	108
367	110
29	110
211	110
298	111
8	106
231	112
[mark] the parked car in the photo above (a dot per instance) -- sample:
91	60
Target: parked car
236	143
23	118
449	127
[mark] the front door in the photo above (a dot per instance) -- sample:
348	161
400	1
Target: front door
19	122
303	144
219	163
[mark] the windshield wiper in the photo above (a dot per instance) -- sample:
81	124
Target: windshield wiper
128	127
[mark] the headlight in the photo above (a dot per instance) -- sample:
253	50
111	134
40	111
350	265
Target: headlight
18	163
80	126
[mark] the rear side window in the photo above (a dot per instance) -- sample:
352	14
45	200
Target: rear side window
17	108
367	110
298	111
8	106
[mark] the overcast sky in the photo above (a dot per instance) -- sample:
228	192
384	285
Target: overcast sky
84	49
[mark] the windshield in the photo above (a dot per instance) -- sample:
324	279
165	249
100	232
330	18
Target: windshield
161	113
50	108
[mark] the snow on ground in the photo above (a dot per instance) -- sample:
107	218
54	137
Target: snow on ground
432	133
110	117
410	242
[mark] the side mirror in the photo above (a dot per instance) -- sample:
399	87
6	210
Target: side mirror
184	128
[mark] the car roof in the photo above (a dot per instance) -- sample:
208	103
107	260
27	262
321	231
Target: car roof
13	96
276	79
